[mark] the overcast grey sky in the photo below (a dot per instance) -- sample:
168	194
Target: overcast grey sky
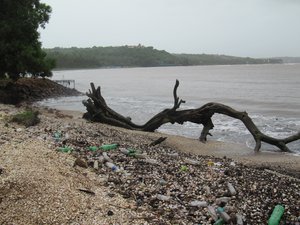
256	28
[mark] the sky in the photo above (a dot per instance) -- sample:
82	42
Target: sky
254	28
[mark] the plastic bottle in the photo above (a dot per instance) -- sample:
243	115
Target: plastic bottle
93	148
124	151
163	197
224	216
65	149
57	136
109	147
192	162
276	215
239	219
222	199
197	203
219	222
231	189
112	166
96	165
106	157
212	212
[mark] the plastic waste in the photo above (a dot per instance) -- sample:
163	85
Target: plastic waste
65	149
96	165
124	151
212	212
222	200
173	155
109	147
231	189
210	163
239	219
184	168
232	164
224	216
276	215
192	162
93	148
207	189
219	222
140	156
106	157
57	136
197	203
112	166
152	161
163	197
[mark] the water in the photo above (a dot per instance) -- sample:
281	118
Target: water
269	93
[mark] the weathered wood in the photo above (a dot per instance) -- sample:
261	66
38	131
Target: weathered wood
98	111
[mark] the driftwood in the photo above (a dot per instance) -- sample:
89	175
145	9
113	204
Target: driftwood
98	111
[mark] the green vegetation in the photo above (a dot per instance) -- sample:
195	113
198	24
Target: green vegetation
20	49
27	118
138	56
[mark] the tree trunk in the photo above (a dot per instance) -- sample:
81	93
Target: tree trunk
98	111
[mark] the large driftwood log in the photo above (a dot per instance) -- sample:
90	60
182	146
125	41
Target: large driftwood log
98	111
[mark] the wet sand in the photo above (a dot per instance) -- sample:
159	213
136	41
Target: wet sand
280	161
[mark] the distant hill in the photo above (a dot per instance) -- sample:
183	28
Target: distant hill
139	56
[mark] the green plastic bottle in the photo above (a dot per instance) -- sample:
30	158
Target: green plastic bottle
93	148
276	215
219	222
109	147
65	149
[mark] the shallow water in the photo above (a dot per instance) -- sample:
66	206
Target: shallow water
269	93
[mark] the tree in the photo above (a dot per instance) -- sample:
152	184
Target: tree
98	111
20	49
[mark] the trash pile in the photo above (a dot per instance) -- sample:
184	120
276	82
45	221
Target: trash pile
176	187
170	186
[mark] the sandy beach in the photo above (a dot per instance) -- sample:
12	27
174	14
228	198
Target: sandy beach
40	185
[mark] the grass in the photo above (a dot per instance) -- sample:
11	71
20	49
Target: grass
27	118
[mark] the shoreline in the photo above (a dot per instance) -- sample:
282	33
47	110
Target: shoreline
288	163
41	184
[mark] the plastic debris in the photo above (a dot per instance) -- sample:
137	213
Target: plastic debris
96	165
93	148
192	162
184	168
106	157
276	215
207	189
152	161
112	166
219	222
211	210
109	147
210	163
163	197
197	203
239	219
65	149
222	200
231	189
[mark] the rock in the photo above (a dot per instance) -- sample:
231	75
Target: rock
81	162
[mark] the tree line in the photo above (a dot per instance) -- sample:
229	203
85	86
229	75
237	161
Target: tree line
139	56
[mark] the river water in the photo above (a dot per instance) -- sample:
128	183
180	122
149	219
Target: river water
269	93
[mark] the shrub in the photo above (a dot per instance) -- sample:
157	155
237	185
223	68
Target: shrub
27	118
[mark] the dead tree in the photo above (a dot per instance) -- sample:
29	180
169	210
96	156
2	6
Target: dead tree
98	111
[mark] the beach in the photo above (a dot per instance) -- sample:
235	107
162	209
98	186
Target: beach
41	184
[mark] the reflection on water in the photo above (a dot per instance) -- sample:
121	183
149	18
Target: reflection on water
268	92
